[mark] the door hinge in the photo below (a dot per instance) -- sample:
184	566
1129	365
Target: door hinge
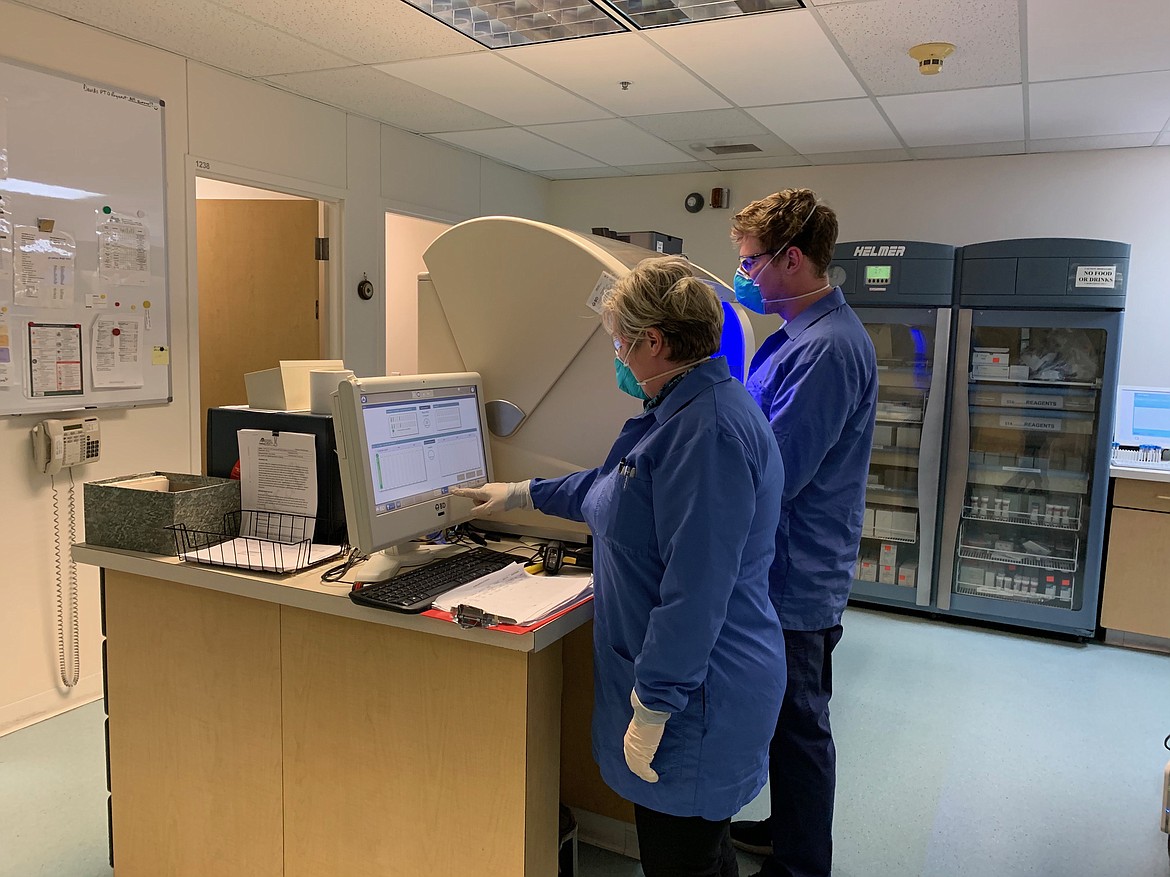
316	310
321	249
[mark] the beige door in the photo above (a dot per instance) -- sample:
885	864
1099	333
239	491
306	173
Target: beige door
258	293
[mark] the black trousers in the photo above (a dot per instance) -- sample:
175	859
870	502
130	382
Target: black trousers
684	846
802	771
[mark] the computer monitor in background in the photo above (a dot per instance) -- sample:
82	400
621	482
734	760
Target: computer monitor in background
515	300
402	444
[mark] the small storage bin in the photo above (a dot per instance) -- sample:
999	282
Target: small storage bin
134	511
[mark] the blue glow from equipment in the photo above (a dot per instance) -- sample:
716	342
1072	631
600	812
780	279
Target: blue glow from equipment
732	343
921	350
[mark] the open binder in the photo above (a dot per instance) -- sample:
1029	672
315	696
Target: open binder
513	597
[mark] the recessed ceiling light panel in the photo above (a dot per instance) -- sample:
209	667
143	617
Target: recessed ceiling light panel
659	13
498	24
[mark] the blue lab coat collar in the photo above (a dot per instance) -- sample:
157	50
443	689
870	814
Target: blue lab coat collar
820	307
702	376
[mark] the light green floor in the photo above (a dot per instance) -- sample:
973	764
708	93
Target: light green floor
961	752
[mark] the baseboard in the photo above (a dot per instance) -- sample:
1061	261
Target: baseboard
47	704
1137	641
606	832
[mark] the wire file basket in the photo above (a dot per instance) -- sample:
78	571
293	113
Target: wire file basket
255	540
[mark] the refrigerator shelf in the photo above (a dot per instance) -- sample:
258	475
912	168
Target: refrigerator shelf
891	496
1014	558
885	455
1022	519
891	538
1096	385
1005	594
1054	480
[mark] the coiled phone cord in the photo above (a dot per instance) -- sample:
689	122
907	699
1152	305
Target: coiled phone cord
67	680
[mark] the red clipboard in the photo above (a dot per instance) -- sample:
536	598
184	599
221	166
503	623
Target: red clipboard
514	628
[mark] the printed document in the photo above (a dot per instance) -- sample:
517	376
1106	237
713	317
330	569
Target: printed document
517	597
278	473
116	351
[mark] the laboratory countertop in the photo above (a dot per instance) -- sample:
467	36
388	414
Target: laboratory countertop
305	590
1139	474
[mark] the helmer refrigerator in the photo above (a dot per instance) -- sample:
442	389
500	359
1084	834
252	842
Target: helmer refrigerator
1036	349
902	291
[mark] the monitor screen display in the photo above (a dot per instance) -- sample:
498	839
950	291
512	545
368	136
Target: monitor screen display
878	274
421	442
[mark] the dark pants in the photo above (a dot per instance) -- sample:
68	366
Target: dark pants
684	846
802	773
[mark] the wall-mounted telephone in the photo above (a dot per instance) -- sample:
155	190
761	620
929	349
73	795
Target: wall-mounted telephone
59	444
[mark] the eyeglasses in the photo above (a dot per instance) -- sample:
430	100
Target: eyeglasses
747	263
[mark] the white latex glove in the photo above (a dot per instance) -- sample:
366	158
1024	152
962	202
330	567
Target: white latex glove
497	496
642	738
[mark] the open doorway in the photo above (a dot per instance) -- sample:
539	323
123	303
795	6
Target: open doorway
260	287
407	238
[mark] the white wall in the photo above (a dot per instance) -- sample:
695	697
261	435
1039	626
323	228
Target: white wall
1121	194
407	238
263	136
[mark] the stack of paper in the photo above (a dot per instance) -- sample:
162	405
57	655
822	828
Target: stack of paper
516	597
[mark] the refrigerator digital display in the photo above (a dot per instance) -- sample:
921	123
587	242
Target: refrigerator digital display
878	274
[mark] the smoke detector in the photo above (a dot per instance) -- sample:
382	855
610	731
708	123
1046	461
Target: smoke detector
930	56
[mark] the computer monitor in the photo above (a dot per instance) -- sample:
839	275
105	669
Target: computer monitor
402	444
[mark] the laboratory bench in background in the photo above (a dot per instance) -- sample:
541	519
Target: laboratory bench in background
264	725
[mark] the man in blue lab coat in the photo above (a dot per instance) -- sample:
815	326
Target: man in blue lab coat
688	649
816	381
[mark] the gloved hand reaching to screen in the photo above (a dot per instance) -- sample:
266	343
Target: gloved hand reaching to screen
642	738
497	496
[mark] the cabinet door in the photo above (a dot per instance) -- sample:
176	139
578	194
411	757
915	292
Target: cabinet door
1137	576
1024	519
895	563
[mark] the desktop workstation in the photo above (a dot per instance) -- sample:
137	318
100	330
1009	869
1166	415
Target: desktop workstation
267	724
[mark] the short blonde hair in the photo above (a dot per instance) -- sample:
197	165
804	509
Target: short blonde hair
663	293
795	216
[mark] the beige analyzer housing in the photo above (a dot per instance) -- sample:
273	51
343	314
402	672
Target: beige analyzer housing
510	298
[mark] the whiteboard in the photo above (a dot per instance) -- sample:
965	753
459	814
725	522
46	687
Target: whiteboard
83	253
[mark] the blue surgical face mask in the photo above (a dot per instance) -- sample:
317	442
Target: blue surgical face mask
747	293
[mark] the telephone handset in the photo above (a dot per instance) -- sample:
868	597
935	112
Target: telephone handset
59	444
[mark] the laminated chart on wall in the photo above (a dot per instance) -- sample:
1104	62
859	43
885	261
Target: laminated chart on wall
83	258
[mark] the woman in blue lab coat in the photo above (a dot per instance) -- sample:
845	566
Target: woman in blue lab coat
688	649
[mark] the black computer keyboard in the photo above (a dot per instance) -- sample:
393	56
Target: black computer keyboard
415	590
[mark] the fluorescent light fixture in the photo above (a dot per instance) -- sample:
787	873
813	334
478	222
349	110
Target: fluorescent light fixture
499	24
659	13
44	190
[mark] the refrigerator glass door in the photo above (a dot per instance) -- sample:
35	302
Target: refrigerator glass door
1025	524
895	564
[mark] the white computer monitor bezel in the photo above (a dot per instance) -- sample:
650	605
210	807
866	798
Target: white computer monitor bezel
371	531
1122	431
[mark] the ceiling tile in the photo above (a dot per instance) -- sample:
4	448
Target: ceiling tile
769	146
682	167
612	141
835	126
1130	104
1071	38
1111	141
593	68
969	150
517	147
859	157
759	60
1163	139
370	33
493	85
877	35
948	118
366	91
732	124
765	163
586	173
202	31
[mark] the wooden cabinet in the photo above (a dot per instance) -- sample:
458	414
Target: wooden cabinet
1136	598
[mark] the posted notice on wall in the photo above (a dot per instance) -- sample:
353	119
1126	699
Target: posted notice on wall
5	253
54	359
44	268
5	353
278	476
116	351
123	251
